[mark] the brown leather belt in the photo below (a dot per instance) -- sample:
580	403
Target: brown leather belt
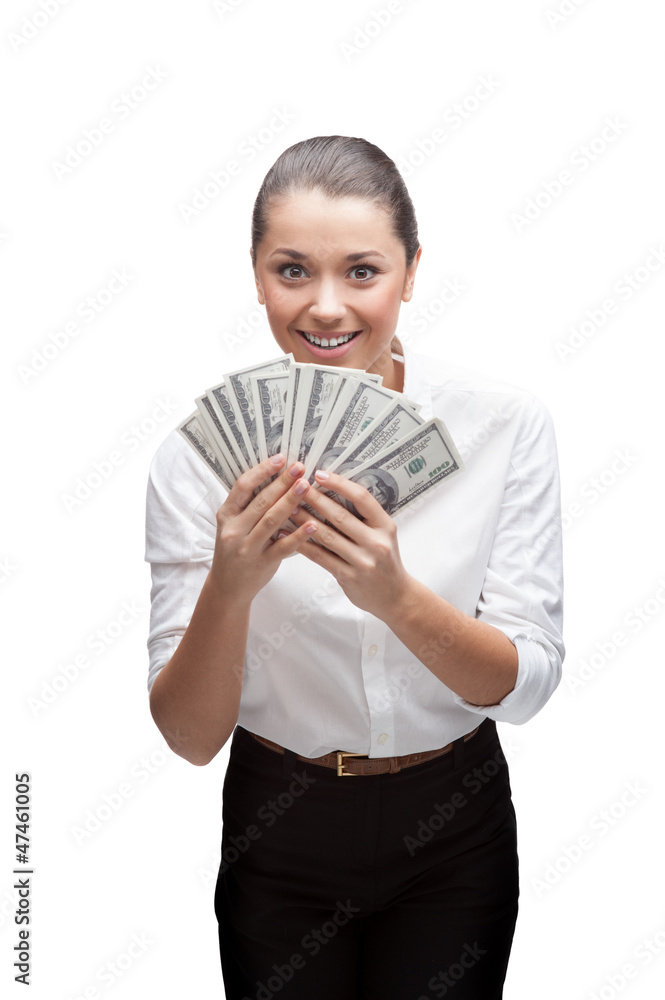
371	765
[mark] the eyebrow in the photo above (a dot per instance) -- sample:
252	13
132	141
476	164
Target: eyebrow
297	255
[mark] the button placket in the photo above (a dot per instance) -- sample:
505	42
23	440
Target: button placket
382	728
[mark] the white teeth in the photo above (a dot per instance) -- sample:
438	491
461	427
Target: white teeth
333	342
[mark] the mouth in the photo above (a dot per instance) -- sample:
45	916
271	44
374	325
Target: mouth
331	346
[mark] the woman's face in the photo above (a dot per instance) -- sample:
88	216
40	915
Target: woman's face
332	275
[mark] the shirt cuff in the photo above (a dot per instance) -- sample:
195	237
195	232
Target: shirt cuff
538	674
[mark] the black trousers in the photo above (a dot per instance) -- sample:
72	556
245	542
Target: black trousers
373	887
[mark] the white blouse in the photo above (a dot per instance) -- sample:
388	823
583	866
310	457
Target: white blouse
322	675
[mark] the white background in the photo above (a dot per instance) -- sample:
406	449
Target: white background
188	314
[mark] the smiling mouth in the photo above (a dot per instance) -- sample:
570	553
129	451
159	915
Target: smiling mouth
320	341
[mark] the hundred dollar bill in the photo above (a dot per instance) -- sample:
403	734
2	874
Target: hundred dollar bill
220	398
414	464
269	395
358	404
240	395
194	434
217	433
295	412
391	425
318	389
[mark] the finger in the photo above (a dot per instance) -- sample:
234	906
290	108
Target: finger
268	515
243	492
336	536
367	506
288	542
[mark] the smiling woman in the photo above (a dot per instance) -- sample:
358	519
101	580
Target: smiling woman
420	633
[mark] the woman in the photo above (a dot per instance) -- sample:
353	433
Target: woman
384	650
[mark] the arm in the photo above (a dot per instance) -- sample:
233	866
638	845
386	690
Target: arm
472	658
195	698
506	661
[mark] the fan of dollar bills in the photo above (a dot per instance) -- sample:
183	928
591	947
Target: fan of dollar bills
340	419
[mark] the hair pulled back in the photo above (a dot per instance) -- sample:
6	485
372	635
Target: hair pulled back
339	166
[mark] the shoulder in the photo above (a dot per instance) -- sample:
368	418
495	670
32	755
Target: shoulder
480	409
440	374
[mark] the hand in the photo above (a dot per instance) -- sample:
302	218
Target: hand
246	555
363	556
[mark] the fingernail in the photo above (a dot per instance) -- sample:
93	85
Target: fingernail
296	469
283	534
295	510
310	529
301	487
322	475
277	459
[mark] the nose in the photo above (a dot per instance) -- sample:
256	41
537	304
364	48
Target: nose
328	303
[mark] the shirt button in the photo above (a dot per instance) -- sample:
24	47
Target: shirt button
373	650
382	738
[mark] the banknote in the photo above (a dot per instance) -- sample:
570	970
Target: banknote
217	433
269	395
241	398
359	402
399	475
389	427
194	434
317	392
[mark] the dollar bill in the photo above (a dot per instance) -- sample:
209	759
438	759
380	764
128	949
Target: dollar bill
221	400
217	433
359	402
389	427
317	391
240	394
399	475
269	395
194	434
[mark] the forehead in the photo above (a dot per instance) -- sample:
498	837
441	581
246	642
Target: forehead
312	222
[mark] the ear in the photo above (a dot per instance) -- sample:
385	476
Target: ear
407	290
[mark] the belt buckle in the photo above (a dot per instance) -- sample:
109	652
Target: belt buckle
341	773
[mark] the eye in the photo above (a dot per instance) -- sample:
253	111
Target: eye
292	271
362	272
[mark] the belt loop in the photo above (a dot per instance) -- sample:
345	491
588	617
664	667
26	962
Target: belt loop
289	762
458	752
